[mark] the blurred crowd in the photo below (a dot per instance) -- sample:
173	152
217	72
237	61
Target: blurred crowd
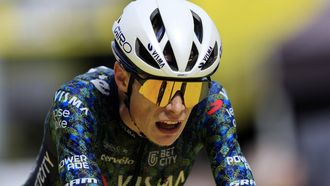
275	67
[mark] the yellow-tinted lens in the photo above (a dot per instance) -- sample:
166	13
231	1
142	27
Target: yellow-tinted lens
192	94
161	92
166	93
150	89
172	87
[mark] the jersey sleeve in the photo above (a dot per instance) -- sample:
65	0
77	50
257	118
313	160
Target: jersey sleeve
73	128
229	166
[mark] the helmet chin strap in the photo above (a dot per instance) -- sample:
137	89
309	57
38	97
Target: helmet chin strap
127	102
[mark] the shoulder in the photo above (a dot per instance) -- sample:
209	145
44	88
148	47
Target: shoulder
217	89
217	105
96	78
217	93
79	101
212	113
88	85
86	91
218	98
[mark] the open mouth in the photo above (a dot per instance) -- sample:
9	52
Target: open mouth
168	126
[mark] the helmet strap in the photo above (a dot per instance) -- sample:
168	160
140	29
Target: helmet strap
127	102
128	94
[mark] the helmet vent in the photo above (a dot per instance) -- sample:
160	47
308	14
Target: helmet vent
142	52
192	58
157	24
198	26
212	58
169	56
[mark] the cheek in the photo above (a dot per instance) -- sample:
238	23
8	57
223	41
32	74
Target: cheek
142	108
188	112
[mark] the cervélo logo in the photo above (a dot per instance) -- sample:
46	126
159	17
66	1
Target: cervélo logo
122	160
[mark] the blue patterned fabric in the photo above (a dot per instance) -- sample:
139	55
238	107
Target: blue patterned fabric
86	142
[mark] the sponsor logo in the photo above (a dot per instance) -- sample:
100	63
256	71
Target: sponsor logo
230	112
116	149
243	182
215	106
121	39
162	157
206	57
81	181
60	123
234	122
63	96
156	56
223	93
74	162
127	130
61	113
58	114
180	179
237	159
43	170
101	84
122	161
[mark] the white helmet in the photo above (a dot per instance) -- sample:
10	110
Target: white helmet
167	38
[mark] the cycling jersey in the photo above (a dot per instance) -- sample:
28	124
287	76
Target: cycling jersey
86	142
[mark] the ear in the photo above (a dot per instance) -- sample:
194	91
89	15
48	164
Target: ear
121	77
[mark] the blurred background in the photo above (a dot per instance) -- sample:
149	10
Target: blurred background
275	67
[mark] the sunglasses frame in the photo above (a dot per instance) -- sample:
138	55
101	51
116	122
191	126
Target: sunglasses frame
143	80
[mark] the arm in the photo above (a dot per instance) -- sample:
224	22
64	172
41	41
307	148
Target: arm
73	129
229	165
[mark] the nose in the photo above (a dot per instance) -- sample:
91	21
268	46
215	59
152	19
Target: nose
176	106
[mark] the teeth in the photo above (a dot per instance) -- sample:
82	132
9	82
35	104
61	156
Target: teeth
170	122
169	125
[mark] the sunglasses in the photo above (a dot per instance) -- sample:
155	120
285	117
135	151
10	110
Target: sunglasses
161	92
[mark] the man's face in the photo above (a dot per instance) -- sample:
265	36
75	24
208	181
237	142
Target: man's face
161	125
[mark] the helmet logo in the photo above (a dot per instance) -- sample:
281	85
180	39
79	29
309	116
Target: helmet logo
206	57
121	39
149	47
156	56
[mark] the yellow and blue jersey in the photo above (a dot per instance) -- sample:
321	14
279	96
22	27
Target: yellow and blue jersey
86	142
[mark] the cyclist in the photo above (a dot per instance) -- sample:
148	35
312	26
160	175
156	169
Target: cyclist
144	121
